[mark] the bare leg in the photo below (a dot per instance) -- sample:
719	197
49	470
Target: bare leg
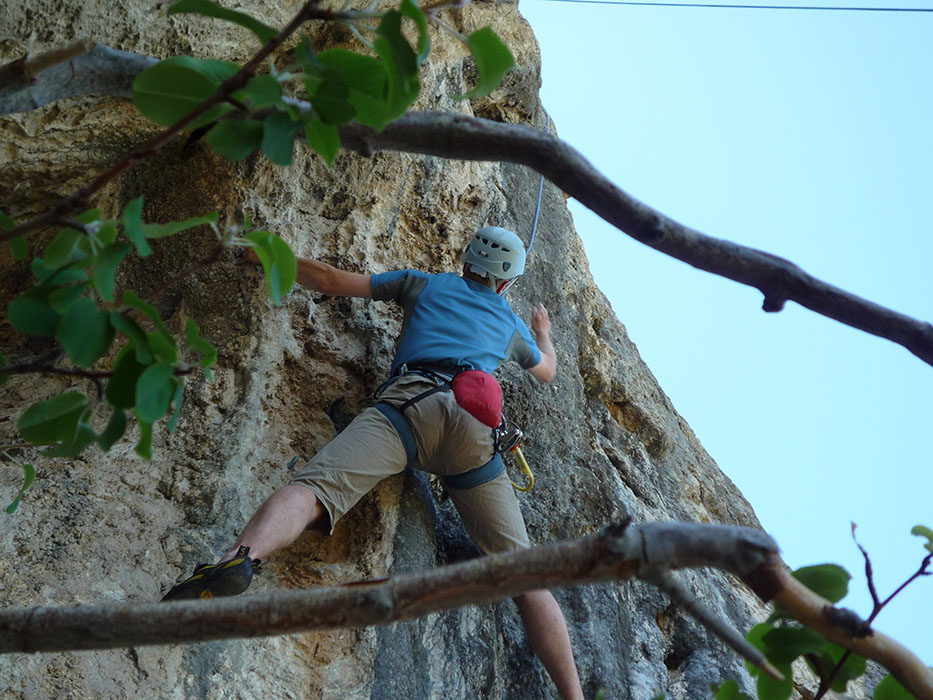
547	631
279	521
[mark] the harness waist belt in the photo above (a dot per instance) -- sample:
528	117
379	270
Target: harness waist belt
433	367
467	480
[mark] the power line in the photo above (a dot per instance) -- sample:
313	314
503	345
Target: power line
748	7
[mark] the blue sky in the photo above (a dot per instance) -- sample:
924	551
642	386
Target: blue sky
807	135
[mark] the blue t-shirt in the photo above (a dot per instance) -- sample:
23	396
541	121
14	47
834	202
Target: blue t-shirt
454	321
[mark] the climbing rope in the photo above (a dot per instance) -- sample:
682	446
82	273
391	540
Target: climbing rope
534	224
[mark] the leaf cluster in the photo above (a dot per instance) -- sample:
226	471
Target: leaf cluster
316	95
783	640
74	303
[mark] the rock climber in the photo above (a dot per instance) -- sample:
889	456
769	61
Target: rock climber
451	323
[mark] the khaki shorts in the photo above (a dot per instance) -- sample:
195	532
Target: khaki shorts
450	441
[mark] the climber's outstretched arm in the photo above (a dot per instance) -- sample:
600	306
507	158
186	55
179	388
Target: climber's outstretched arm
327	279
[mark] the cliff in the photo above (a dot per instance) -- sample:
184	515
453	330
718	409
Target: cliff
603	439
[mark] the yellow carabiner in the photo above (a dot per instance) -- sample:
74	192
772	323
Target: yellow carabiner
526	470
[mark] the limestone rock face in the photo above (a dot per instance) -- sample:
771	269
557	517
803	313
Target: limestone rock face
603	439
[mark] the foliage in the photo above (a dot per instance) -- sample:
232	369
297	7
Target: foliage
29	475
339	85
74	303
118	341
783	640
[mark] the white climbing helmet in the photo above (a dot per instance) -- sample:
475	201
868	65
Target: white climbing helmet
496	251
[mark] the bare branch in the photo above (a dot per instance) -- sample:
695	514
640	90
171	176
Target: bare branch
468	138
80	69
616	553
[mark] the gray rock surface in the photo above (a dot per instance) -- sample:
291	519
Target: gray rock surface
603	439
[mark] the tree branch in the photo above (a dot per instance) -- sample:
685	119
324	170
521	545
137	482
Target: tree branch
468	138
462	137
615	553
83	68
817	613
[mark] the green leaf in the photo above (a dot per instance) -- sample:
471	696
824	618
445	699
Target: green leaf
31	313
104	235
924	531
401	64
172	88
213	69
278	262
201	345
729	691
28	477
366	81
278	138
136	335
828	580
65	248
891	689
493	61
784	644
177	400
363	73
85	332
131	299
235	139
262	91
154	390
121	389
19	244
83	437
210	9
173	227
133	226
144	446
771	689
755	637
329	96
163	347
411	10
62	297
160	342
62	275
115	429
323	138
53	420
105	267
853	667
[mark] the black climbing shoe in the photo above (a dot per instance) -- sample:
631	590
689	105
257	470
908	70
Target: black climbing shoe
210	580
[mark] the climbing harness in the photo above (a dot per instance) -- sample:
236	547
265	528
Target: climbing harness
482	395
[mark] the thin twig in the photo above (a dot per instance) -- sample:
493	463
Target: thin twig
38	367
922	571
42	368
869	574
877	606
